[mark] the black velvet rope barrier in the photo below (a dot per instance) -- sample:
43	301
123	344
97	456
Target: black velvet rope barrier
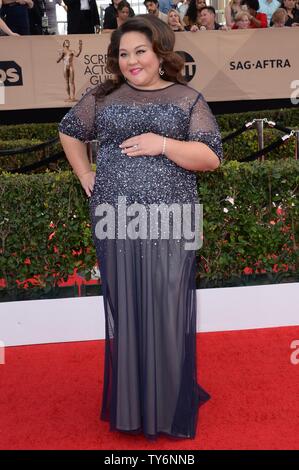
44	145
33	166
235	133
267	149
282	128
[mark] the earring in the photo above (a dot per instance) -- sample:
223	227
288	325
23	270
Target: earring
161	71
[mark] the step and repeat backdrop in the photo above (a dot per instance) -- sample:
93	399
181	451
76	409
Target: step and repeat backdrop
55	71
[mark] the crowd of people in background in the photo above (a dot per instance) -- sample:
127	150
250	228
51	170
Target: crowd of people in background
24	17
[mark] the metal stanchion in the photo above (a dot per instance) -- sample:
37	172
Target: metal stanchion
259	123
92	148
89	152
296	133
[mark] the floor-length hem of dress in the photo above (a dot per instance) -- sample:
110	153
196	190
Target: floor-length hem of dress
151	437
203	398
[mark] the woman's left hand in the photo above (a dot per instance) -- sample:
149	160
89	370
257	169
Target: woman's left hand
143	144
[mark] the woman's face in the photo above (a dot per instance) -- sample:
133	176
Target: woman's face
200	4
137	61
173	18
289	4
66	43
123	14
243	23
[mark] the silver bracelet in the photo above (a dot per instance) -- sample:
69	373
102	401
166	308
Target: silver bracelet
164	146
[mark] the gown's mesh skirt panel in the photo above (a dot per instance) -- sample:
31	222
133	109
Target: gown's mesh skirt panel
150	306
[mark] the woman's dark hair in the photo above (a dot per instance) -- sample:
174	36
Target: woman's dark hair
191	12
162	39
122	5
253	4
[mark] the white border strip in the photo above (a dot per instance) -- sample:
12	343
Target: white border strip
82	318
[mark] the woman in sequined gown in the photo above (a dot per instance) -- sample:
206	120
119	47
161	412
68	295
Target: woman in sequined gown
155	133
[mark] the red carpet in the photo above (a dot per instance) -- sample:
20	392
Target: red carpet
50	395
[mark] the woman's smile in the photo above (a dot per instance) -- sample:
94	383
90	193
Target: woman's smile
135	71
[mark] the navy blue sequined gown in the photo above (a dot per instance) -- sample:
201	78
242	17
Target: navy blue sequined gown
149	291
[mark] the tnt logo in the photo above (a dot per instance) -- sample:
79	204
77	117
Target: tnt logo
190	65
10	74
2	353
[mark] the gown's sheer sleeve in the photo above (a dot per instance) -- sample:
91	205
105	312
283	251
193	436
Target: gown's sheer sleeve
79	122
204	128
